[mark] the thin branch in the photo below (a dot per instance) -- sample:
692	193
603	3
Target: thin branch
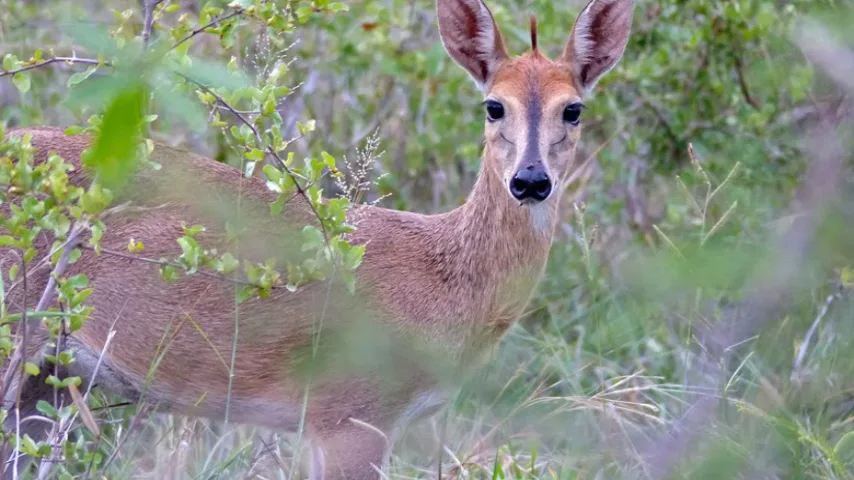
18	358
148	7
210	24
49	61
742	83
46	298
164	263
268	149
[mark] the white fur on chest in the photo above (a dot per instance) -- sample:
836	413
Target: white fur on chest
540	216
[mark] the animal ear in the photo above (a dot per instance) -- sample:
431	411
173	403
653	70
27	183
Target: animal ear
598	40
471	38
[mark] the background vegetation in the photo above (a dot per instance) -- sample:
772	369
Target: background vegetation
695	317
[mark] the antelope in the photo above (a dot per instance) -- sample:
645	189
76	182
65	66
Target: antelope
459	279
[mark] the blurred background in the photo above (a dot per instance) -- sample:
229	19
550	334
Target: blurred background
696	316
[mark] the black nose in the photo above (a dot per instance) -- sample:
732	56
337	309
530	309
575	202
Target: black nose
531	184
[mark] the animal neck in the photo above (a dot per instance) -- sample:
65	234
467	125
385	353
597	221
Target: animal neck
494	237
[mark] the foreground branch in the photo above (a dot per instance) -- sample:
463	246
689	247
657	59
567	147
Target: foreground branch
148	7
208	25
268	149
50	61
30	327
164	263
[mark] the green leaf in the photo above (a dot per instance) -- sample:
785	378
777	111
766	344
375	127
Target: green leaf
269	107
193	230
191	255
273	173
313	238
76	381
28	446
13	271
31	368
22	81
95	200
74	256
303	13
277	206
114	153
353	257
135	246
169	273
245	293
10	62
329	160
80	297
256	155
77	281
46	409
227	263
350	281
80	76
73	130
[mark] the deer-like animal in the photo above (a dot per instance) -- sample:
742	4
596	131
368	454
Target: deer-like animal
458	279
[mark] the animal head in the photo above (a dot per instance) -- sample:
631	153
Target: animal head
533	104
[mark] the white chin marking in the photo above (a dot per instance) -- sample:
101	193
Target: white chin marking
540	217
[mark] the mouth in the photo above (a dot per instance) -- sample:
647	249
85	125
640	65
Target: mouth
528	202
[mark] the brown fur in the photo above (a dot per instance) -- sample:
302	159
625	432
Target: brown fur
452	283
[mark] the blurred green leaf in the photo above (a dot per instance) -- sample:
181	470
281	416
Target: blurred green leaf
114	151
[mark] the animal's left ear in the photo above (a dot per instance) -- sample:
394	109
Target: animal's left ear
598	40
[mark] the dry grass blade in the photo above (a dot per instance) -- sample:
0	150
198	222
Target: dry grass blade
85	414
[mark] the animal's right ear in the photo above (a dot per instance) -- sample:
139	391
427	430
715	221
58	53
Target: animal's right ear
471	38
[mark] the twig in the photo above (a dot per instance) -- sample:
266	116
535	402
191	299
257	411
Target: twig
46	298
148	7
164	263
21	351
268	149
210	24
69	60
742	83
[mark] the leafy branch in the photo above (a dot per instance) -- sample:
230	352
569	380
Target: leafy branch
268	149
208	25
43	63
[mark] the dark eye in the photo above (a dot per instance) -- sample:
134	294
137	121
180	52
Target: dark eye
572	113
494	110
